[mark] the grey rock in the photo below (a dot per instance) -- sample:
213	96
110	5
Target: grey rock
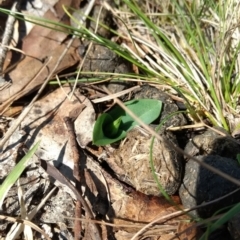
233	226
212	143
201	185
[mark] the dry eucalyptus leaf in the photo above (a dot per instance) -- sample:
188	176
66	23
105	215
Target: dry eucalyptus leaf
40	45
188	231
45	122
84	124
138	209
142	208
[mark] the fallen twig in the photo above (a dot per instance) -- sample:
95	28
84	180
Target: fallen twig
69	121
7	36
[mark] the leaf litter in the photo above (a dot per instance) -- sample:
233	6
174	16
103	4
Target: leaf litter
111	195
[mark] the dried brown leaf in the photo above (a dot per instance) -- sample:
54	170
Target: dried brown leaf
188	231
39	45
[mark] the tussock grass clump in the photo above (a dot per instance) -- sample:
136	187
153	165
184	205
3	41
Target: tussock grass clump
191	47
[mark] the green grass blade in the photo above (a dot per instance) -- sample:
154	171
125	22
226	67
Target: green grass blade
227	216
15	173
163	192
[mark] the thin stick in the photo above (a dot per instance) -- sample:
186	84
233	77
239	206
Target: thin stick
118	94
7	36
86	13
69	121
76	173
25	222
196	125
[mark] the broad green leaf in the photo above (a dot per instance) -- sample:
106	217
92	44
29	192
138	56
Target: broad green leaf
112	126
15	173
147	110
100	138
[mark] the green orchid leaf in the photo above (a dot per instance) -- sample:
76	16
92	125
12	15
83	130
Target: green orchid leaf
113	126
147	110
102	132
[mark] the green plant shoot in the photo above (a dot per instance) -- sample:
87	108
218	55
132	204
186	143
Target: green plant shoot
113	126
112	129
